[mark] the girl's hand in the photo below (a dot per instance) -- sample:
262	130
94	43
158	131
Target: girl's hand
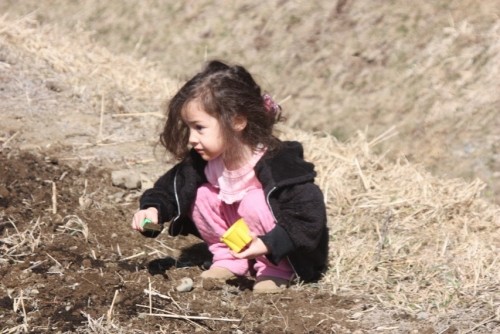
255	249
150	213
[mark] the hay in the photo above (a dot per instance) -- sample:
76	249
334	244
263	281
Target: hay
21	243
92	72
430	68
418	242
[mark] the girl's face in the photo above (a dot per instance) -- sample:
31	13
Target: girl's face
205	134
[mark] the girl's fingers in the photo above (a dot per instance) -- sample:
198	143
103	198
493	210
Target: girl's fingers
255	249
240	255
136	225
152	214
139	216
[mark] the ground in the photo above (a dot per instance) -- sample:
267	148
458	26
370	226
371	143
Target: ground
89	269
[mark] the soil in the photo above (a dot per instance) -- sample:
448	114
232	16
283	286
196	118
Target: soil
88	265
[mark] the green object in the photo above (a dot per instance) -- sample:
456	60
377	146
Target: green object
148	225
146	221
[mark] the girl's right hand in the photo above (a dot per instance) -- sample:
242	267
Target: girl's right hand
139	216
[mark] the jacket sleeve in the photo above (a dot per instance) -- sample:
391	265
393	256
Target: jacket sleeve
301	219
162	196
186	177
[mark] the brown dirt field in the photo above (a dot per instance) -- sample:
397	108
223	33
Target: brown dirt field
73	268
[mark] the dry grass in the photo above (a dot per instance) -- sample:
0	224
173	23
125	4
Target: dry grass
417	242
16	246
74	225
91	72
429	68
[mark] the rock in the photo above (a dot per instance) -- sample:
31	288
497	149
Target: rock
86	263
357	315
85	202
422	316
186	285
126	178
33	148
55	85
146	182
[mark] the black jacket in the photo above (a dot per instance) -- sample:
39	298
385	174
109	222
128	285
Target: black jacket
295	201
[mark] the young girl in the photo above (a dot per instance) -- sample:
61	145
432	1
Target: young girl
236	168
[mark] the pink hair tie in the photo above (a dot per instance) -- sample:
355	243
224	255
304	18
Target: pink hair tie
271	106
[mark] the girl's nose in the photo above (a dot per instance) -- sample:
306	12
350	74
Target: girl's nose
192	139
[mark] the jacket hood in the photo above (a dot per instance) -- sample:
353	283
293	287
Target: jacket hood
285	166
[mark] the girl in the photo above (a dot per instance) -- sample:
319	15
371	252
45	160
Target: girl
236	168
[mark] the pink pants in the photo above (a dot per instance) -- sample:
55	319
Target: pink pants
213	217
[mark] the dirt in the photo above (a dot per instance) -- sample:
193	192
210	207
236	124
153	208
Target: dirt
68	266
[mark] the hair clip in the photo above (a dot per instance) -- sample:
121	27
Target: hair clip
271	106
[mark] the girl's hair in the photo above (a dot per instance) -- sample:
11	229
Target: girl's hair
224	92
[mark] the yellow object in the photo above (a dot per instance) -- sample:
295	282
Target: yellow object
237	236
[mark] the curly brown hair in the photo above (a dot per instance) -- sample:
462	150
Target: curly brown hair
224	92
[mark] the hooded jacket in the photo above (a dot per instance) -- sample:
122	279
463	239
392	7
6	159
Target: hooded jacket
296	203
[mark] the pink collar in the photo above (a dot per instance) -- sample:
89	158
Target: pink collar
233	184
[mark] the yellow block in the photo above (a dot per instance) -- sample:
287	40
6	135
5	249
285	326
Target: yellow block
237	236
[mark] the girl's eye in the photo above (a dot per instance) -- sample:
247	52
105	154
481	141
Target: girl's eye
199	127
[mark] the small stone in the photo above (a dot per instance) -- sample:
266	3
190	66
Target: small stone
117	196
127	179
422	316
85	202
357	315
186	285
55	269
146	182
54	85
29	147
86	263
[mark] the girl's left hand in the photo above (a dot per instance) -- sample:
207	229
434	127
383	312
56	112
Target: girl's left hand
255	249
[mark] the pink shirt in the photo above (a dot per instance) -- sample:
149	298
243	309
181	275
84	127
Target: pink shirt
233	184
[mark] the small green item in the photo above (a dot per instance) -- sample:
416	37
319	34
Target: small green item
148	225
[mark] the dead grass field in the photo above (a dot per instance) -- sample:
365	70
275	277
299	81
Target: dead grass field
412	251
431	69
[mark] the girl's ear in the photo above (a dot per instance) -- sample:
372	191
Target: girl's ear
239	123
